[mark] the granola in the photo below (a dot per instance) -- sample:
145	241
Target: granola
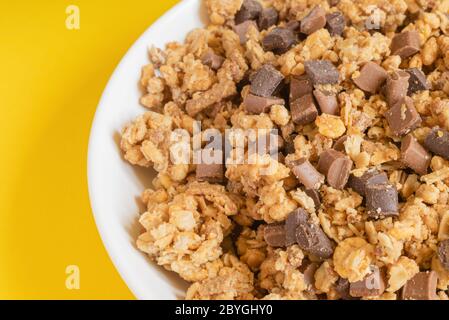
355	190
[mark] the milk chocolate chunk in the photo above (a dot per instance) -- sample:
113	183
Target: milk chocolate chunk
339	145
242	30
414	156
306	173
299	87
212	173
443	254
370	177
293	25
309	269
274	235
312	239
373	285
423	286
327	101
403	117
294	219
371	78
304	110
405	44
335	23
250	10
279	40
314	21
336	167
417	81
382	201
342	287
257	105
212	60
268	17
266	80
315	196
322	72
438	142
397	87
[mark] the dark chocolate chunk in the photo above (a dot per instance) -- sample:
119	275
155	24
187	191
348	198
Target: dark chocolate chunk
371	78
336	23
414	156
314	21
294	219
328	102
274	235
406	44
397	87
257	105
299	87
212	60
250	10
266	80
279	40
370	177
315	196
443	254
373	285
269	17
422	286
306	173
242	30
293	25
304	110
342	288
339	145
382	201
336	167
312	239
438	142
417	81
322	72
403	117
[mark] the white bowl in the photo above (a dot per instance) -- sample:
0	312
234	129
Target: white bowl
114	185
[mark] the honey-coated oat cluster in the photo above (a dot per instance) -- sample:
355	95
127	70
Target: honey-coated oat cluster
356	205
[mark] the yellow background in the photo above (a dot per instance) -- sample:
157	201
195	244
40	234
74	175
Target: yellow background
51	80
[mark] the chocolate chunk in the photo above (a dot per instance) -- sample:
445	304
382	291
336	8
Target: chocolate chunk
212	173
438	142
293	25
309	269
414	156
336	167
322	72
315	196
212	60
342	288
443	254
371	78
314	21
372	285
422	286
382	201
242	30
257	105
327	101
336	23
403	117
405	44
294	219
312	239
307	174
250	10
269	17
339	145
279	40
266	80
417	81
397	87
299	87
370	177
274	235
304	110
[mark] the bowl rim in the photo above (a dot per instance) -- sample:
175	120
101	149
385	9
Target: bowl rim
99	219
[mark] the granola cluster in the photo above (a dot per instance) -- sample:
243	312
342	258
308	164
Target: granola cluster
358	193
